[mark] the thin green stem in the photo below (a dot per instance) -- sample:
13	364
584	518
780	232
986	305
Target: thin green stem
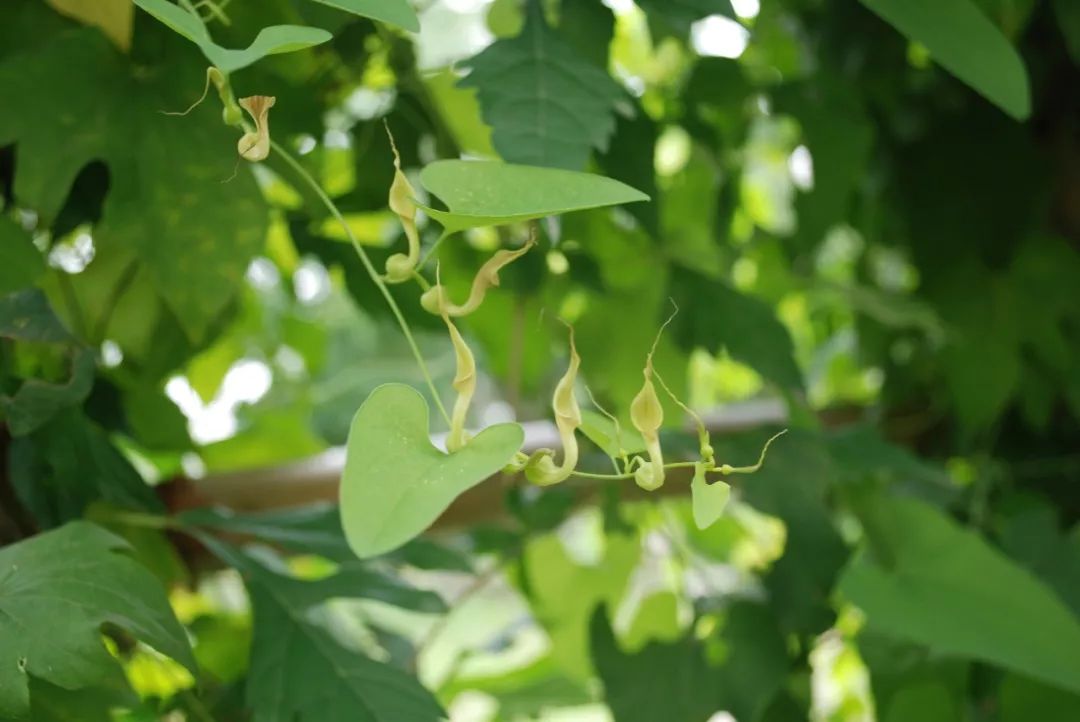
630	475
369	267
431	251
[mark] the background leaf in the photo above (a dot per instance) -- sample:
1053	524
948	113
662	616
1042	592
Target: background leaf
56	592
945	587
964	41
546	105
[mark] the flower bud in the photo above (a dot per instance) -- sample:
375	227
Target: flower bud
255	145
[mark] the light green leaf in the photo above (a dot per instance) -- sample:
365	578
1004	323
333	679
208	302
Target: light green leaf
395	483
945	587
56	591
23	263
270	41
709	500
489	193
394	12
546	105
964	41
166	206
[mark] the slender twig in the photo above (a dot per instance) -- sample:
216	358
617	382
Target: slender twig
368	266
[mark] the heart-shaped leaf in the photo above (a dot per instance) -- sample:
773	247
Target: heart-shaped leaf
709	500
270	41
490	193
396	483
394	12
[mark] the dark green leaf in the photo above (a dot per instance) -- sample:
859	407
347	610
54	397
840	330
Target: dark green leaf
68	464
23	263
545	104
300	672
716	317
37	401
26	316
679	15
56	591
166	204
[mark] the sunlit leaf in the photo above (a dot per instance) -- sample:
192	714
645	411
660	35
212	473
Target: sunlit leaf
489	193
709	499
270	41
396	483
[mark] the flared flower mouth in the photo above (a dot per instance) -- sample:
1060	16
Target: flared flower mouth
255	146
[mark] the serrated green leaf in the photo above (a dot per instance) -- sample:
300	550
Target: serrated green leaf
23	263
394	12
489	193
943	586
545	104
395	482
270	41
300	672
56	591
964	41
709	500
166	203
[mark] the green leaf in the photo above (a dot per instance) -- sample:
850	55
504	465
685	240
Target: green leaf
709	500
943	586
601	431
545	104
36	401
564	592
23	263
394	12
314	529
396	483
56	591
739	669
67	465
715	316
1068	20
489	193
270	41
300	672
166	205
27	316
964	41
679	15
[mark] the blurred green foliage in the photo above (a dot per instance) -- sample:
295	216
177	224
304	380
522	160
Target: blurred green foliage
868	215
